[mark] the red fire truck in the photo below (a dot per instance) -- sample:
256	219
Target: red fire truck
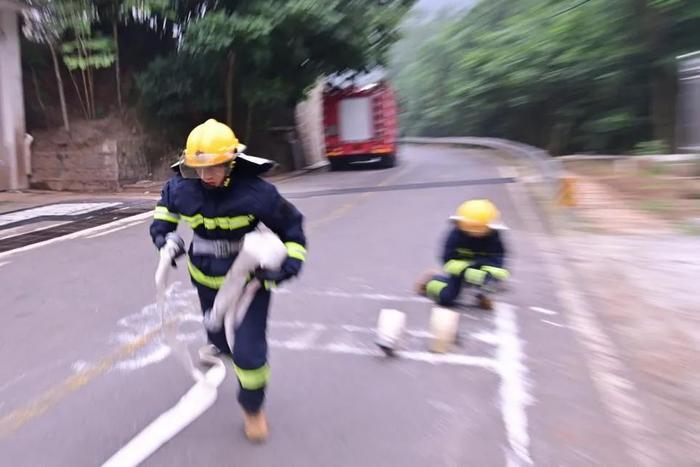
360	120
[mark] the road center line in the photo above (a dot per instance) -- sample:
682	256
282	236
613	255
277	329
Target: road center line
21	416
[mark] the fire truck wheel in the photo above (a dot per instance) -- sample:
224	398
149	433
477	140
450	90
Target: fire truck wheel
389	161
336	164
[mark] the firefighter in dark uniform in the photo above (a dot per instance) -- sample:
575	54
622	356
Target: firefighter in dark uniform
473	256
217	191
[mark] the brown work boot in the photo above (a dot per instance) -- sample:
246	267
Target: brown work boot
484	302
422	283
255	426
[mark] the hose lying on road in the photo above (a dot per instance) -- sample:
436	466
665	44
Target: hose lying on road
192	405
260	249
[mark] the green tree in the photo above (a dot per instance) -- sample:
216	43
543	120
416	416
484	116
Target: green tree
275	49
568	76
45	23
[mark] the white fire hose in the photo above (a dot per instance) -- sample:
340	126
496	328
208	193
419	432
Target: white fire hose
169	329
259	250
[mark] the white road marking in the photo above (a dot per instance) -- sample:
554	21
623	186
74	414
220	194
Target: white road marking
3	263
304	340
160	353
30	228
352	295
425	357
79	366
552	323
486	337
63	209
514	389
116	229
351	328
82	233
183	307
203	394
608	372
419	333
543	311
13	381
507	364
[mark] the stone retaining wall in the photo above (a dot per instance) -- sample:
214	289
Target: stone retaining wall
103	167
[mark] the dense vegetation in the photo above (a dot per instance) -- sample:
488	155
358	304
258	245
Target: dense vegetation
575	75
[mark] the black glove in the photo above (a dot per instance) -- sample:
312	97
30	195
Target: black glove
289	269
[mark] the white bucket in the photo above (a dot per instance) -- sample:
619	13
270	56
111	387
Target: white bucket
444	325
390	328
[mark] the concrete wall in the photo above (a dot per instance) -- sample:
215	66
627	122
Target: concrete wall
13	170
104	167
132	161
309	122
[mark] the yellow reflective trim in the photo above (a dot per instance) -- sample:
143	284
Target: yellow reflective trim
225	223
434	288
455	267
465	252
498	273
161	213
165	217
213	282
253	379
296	250
475	276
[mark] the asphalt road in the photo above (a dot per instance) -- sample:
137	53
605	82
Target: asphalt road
83	369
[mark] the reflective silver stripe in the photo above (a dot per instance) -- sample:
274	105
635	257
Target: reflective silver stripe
218	248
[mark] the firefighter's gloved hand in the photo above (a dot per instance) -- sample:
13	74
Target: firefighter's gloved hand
172	244
289	269
159	242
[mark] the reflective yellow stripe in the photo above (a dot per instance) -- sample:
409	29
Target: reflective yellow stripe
296	250
213	282
455	267
475	276
434	288
161	213
225	223
465	252
253	379
498	273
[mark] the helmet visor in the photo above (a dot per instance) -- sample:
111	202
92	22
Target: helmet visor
206	172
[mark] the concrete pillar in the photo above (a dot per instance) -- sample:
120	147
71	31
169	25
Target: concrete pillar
13	173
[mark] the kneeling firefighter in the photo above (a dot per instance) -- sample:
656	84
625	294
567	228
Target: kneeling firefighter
473	255
217	191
